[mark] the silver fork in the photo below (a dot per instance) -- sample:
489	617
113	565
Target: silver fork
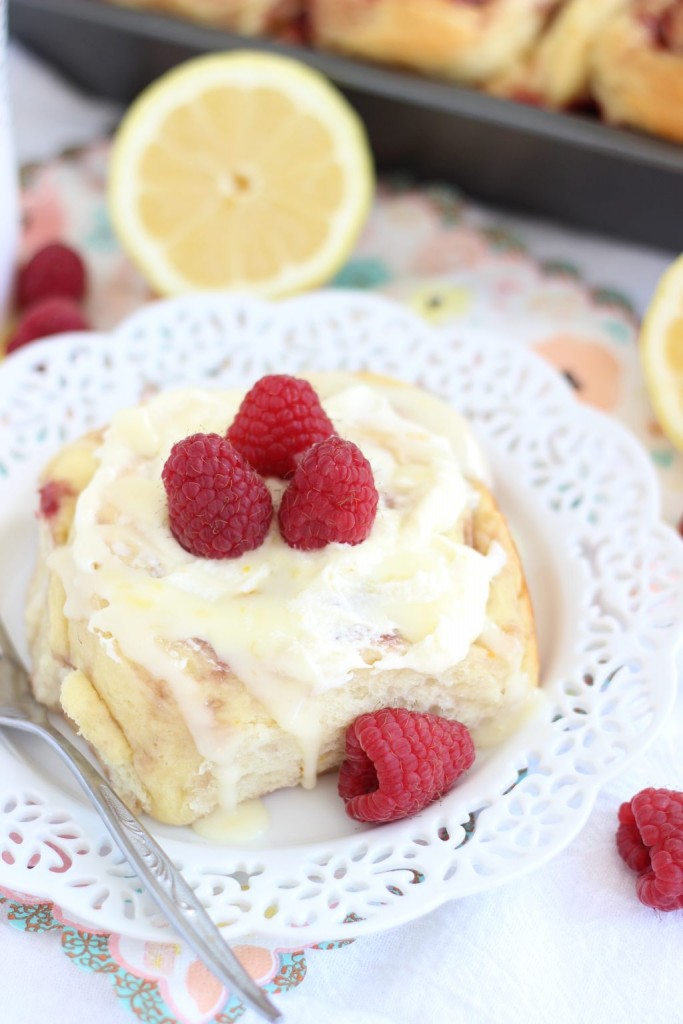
165	884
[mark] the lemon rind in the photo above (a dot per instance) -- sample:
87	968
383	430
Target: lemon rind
665	306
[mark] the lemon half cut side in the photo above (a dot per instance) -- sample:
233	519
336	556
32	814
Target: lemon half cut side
661	352
244	170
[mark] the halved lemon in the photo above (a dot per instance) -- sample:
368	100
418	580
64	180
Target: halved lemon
661	352
241	170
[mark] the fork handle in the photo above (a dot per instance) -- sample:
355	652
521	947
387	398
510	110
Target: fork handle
164	882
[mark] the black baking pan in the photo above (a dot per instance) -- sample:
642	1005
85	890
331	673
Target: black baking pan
567	167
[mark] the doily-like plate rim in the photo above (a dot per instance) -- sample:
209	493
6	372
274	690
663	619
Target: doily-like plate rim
339	304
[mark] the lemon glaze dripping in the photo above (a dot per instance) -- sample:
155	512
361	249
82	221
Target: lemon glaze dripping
248	821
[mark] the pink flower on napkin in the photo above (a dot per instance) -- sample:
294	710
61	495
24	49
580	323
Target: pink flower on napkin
589	366
449	250
189	989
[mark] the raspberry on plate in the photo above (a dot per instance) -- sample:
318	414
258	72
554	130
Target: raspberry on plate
279	418
399	761
331	498
56	270
45	318
218	506
650	840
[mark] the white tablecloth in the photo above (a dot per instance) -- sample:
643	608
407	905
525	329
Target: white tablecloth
568	944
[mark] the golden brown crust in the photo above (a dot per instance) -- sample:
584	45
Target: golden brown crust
556	71
135	723
637	68
510	601
464	41
252	17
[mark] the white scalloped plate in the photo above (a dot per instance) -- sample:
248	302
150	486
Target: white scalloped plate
605	575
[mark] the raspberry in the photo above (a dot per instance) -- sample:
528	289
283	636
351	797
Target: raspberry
399	761
650	840
55	270
218	506
45	318
331	498
52	495
279	418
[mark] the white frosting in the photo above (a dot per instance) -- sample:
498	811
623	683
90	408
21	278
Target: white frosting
290	624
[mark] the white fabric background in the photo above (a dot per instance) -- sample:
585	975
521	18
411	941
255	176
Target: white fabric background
569	944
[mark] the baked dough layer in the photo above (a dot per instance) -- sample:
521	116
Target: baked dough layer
468	42
556	71
637	67
252	17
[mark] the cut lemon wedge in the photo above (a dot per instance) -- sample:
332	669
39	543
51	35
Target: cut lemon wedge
245	171
661	352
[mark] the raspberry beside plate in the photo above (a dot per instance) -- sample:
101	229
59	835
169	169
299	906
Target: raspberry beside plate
650	841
